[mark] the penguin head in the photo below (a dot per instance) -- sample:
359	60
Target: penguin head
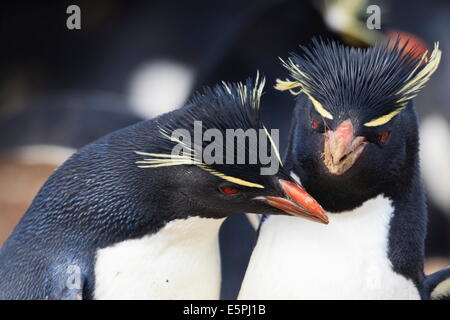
194	191
354	121
217	158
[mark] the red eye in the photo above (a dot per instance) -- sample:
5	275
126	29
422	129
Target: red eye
315	124
227	190
384	136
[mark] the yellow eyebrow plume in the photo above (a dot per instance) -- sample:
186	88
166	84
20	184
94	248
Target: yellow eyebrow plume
413	85
383	119
283	85
158	160
274	146
418	81
230	178
319	108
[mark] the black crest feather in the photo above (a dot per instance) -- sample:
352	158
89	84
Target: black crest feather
374	81
228	106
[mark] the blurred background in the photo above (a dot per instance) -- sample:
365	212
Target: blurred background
61	89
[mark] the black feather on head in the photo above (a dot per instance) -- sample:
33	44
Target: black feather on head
228	106
375	83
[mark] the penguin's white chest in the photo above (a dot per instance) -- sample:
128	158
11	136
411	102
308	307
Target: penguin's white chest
180	261
346	259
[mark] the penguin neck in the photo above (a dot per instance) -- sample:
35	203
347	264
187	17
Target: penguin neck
157	266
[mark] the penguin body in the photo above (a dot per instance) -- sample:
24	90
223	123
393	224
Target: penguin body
124	216
354	146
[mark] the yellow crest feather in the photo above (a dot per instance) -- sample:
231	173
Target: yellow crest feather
230	178
319	108
283	85
418	81
384	119
158	160
415	82
290	85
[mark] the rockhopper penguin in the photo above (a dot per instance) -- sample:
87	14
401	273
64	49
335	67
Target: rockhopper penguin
124	217
354	147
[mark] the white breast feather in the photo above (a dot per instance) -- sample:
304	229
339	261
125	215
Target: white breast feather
181	261
347	259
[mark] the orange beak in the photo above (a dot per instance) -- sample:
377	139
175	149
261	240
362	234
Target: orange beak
298	203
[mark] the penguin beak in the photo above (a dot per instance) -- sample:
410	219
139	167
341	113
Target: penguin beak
297	203
341	148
